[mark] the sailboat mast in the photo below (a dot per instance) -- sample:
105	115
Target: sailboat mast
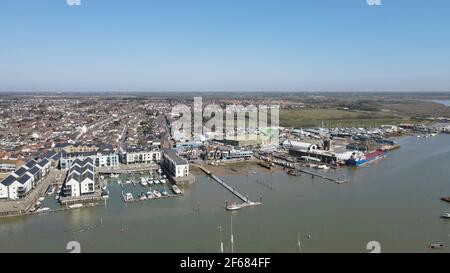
221	241
299	244
232	241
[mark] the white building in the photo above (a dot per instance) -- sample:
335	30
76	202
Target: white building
4	190
19	183
80	179
174	164
13	189
140	154
99	159
296	145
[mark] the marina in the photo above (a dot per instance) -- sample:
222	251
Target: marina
410	205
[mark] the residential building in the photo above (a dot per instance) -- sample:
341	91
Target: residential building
140	154
175	165
80	179
104	156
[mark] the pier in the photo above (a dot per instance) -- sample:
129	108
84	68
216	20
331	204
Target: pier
335	180
245	199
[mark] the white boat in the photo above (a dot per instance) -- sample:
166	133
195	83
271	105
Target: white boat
42	210
52	191
102	177
41	199
75	206
128	197
150	195
165	176
164	193
157	194
234	206
38	203
142	196
446	215
157	181
159	171
144	183
176	190
163	181
150	182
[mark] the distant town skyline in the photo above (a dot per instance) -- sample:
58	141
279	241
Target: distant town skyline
205	46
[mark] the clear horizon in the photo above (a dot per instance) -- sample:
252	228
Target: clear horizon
224	46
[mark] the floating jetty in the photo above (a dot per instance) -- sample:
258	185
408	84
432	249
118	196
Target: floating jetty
335	180
134	200
245	199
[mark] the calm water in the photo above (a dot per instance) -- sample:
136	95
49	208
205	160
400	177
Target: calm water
394	201
444	102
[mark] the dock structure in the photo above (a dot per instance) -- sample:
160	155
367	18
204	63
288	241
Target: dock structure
245	199
335	180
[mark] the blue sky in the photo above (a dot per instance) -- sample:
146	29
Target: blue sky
225	45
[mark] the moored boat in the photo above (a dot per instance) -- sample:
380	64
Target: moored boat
42	210
75	206
446	215
128	197
359	159
176	190
234	206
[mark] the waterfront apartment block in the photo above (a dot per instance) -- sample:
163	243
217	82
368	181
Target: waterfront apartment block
76	148
175	165
140	154
9	165
102	156
80	178
20	182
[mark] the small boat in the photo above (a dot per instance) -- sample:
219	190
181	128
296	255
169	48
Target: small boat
102	177
42	210
436	246
41	199
163	181
157	181
150	195
176	190
33	209
164	193
234	206
157	194
142	196
51	191
446	215
128	197
38	203
105	194
159	171
75	206
57	197
164	176
446	199
150	182
144	183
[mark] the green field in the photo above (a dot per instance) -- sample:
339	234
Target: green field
335	118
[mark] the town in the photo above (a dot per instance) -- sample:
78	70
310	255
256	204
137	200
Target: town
68	145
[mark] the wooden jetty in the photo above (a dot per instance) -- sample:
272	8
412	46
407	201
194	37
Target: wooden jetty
335	180
245	199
